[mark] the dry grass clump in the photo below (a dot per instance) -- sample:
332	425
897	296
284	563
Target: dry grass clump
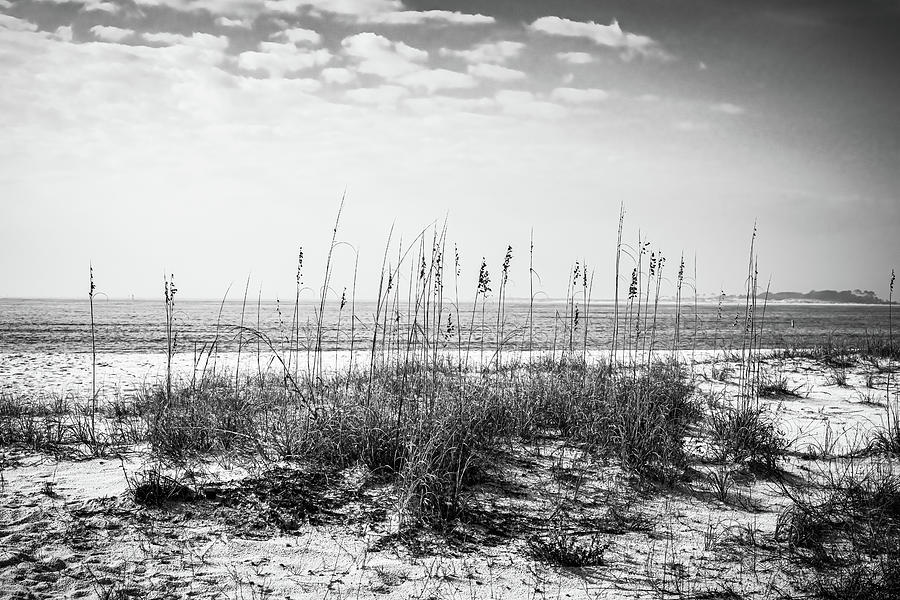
746	434
153	487
637	415
777	386
886	437
877	580
60	425
563	547
430	430
847	530
852	517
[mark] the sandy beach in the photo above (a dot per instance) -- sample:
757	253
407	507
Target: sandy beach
71	529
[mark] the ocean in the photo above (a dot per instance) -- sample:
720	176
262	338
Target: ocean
138	326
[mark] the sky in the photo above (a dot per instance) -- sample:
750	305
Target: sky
213	139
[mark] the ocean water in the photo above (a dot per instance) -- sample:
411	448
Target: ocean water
138	326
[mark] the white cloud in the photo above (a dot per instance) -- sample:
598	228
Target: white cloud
385	12
237	23
691	126
525	104
279	86
5	4
108	33
298	35
417	17
432	80
495	72
15	24
87	5
611	36
338	75
493	52
381	95
355	8
278	59
728	108
101	6
246	8
575	58
64	33
202	41
445	104
578	95
377	55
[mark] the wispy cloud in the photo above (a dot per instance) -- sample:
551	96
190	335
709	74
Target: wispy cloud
108	33
432	80
418	17
382	95
575	58
495	72
231	8
578	95
728	109
489	52
521	103
12	23
86	5
611	36
238	23
204	41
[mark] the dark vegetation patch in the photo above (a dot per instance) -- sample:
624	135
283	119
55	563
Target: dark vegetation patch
280	499
848	531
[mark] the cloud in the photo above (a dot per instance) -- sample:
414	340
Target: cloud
611	36
495	72
446	104
246	8
493	52
202	41
575	58
432	80
338	75
728	108
377	55
108	33
298	35
525	104
5	4
86	5
688	126
64	33
354	8
382	95
279	59
101	6
578	95
12	23
383	12
238	23
418	17
279	86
